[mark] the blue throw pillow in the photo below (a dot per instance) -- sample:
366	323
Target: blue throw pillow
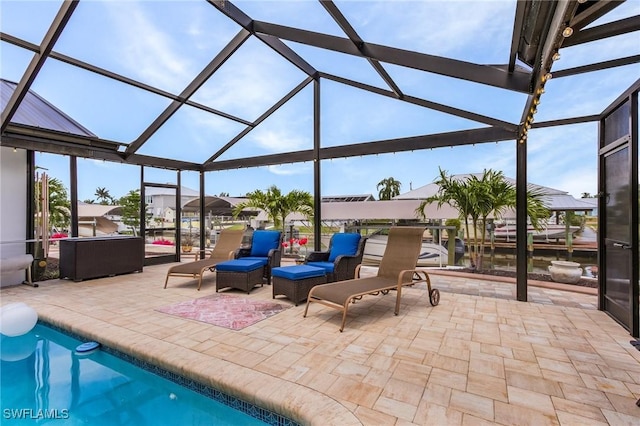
343	244
263	241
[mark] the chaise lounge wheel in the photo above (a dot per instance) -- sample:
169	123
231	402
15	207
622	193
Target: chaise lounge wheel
434	297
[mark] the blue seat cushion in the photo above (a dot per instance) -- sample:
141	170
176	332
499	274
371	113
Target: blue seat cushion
263	260
263	241
297	272
327	266
344	244
239	265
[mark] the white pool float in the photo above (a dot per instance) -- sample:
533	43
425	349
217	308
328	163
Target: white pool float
17	319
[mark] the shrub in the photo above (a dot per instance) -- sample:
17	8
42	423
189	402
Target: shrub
163	242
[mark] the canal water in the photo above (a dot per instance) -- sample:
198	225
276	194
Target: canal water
541	260
536	264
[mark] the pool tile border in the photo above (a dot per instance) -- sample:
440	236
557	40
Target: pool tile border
252	410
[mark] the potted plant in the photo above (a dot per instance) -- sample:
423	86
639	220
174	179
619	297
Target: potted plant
303	243
563	271
186	243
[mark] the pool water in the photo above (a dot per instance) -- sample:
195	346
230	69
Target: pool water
44	380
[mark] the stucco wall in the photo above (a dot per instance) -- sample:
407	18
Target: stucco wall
13	216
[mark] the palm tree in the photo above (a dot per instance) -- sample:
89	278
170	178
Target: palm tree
478	198
276	205
104	197
59	205
458	195
494	195
388	188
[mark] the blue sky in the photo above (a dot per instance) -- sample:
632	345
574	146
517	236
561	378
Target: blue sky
167	44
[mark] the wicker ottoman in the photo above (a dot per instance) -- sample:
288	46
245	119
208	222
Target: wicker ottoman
240	274
295	282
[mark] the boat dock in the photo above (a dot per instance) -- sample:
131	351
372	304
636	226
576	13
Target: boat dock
584	245
579	248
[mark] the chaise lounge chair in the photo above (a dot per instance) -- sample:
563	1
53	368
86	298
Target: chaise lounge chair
397	269
225	248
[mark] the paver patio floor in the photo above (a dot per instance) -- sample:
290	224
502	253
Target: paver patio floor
479	357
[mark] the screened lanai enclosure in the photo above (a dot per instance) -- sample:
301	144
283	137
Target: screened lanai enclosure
329	91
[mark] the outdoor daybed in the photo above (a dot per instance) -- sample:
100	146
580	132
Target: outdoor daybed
397	269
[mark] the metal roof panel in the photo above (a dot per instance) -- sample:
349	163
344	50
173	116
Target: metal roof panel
36	111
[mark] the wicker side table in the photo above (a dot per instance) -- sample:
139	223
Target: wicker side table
240	274
295	282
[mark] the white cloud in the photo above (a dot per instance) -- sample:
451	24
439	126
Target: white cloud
250	82
203	124
150	53
601	50
452	28
564	158
100	163
279	140
289	169
500	156
579	180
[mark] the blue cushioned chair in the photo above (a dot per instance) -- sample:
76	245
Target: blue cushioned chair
266	246
345	253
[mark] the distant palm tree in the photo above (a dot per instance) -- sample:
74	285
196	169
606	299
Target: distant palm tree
104	197
478	198
276	205
388	188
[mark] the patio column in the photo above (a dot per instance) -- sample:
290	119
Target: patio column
317	194
73	178
203	232
31	200
521	219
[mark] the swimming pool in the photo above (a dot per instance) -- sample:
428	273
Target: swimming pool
44	379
